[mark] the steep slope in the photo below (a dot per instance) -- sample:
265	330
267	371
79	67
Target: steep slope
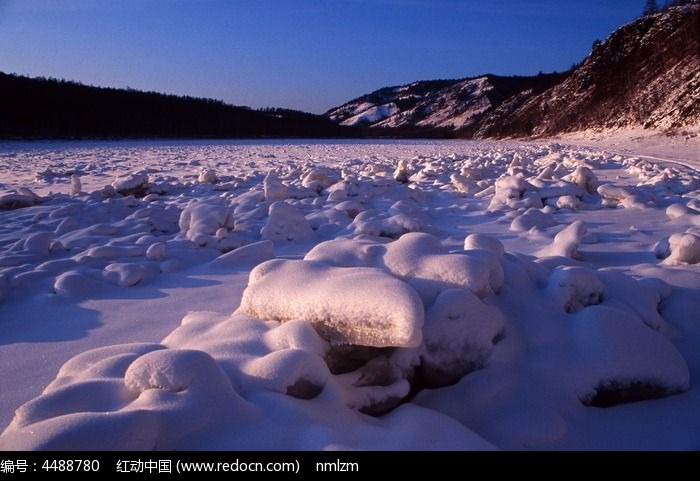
454	105
646	74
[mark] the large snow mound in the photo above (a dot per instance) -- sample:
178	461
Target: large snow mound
355	305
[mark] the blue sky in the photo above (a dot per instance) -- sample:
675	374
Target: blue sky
304	54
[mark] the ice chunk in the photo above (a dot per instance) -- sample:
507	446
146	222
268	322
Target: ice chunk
274	189
419	259
156	251
532	218
208	176
464	184
318	179
347	253
362	306
67	225
114	252
402	173
568	202
584	178
135	184
684	249
613	192
127	274
200	220
75	185
74	283
342	190
295	372
286	223
575	287
566	242
38	243
509	192
484	242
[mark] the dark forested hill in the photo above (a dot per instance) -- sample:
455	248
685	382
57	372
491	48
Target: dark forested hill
49	108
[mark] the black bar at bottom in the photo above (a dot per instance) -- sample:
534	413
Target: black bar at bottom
16	465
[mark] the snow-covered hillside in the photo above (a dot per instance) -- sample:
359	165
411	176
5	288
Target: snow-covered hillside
455	106
646	74
369	295
452	105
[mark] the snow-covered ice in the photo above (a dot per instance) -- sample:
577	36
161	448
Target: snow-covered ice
348	295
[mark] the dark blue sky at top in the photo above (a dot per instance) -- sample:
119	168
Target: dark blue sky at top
304	54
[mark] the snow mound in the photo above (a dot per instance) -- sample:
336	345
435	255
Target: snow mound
680	249
274	189
566	242
318	179
201	220
484	242
286	223
156	251
135	184
421	260
127	274
174	371
532	218
615	347
459	335
613	192
575	287
379	310
208	176
584	178
74	283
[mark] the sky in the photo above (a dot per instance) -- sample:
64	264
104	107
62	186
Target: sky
303	54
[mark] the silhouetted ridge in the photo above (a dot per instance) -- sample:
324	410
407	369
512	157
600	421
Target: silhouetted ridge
50	108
